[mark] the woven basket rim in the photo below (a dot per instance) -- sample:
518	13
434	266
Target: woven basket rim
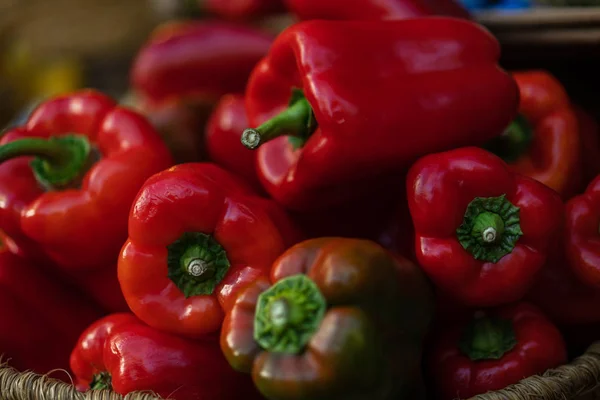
568	381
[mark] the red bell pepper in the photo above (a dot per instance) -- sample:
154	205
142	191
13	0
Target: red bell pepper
544	141
241	9
41	317
197	59
482	232
437	86
374	9
582	237
120	353
69	175
223	133
590	143
180	268
494	350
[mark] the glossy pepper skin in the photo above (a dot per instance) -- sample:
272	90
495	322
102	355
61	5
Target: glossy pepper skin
339	318
197	60
544	141
93	156
374	9
87	357
494	351
239	10
223	133
482	232
36	310
582	238
197	235
127	356
426	73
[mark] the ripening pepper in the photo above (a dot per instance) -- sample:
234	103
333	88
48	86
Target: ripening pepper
482	232
120	353
438	86
374	9
69	175
338	318
241	9
41	317
197	235
494	350
544	141
223	133
582	237
197	59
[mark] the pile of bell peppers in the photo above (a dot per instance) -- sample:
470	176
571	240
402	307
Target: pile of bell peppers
361	205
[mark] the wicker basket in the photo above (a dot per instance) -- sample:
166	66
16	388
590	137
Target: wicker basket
579	380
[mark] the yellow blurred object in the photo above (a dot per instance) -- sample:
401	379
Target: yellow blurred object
60	76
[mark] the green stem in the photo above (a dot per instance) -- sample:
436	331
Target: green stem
514	141
490	229
100	381
196	263
288	314
59	162
296	121
487	338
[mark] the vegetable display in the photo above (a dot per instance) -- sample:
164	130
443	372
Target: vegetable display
301	200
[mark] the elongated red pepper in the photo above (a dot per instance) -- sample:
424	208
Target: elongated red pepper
582	236
197	60
481	232
242	9
544	141
41	318
120	353
437	86
180	268
69	175
495	350
223	133
374	9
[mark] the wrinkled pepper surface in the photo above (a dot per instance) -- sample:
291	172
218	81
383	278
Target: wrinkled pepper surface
338	318
582	236
41	317
494	350
242	9
223	133
482	232
374	9
69	175
197	59
120	353
544	141
197	235
431	76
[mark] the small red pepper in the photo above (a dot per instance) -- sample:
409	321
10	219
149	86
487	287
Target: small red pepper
437	86
180	268
583	235
544	141
197	59
120	353
494	350
41	317
223	133
241	9
482	232
374	9
69	175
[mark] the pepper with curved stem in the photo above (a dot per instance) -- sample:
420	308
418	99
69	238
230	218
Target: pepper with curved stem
180	269
495	349
317	329
482	232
